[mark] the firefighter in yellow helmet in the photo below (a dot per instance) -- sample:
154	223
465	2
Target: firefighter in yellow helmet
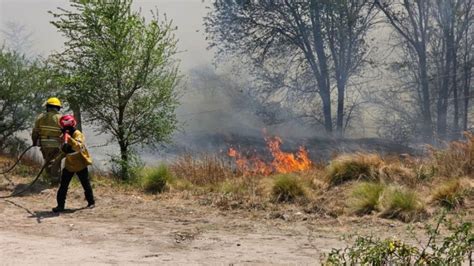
46	134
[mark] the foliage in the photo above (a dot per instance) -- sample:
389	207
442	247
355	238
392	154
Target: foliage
121	71
22	87
287	188
400	203
453	249
353	167
365	197
155	180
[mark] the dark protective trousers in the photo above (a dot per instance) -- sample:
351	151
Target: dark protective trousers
66	179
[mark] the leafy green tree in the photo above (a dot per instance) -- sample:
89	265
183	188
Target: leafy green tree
22	87
121	71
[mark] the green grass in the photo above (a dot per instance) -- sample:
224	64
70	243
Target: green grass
287	188
401	203
155	180
365	197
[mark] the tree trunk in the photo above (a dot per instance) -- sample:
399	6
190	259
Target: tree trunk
467	85
426	111
455	98
76	110
124	167
340	108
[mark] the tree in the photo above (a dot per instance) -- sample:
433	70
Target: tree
433	38
410	20
322	38
122	71
22	92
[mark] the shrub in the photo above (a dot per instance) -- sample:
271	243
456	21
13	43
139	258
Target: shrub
155	180
400	203
452	193
454	249
286	188
365	197
353	167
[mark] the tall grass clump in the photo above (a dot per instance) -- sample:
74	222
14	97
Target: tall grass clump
353	167
154	180
397	202
202	169
287	188
365	197
457	159
452	193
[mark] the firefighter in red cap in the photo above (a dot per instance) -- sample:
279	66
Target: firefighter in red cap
77	161
46	134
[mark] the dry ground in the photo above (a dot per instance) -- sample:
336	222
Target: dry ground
168	229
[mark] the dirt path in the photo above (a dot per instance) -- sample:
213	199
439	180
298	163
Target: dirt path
128	229
131	230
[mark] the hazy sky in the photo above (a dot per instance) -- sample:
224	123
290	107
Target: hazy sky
187	15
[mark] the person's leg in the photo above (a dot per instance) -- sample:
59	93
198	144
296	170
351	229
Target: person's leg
53	171
62	191
85	182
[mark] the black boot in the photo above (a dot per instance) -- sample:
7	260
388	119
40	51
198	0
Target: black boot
58	209
91	204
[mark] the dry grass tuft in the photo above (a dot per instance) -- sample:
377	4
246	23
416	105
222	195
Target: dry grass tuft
457	159
357	166
202	169
452	193
397	202
365	197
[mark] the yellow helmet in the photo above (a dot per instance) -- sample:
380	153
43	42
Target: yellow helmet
54	102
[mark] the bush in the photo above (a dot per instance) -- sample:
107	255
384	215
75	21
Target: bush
286	188
365	197
154	180
454	249
400	203
452	193
353	167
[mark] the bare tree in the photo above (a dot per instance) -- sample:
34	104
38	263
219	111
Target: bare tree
323	38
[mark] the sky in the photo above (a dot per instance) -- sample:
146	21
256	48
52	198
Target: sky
187	15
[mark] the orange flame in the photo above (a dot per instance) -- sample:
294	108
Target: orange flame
283	162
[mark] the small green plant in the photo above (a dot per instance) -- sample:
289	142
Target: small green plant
353	167
453	249
286	188
451	193
401	203
154	180
365	197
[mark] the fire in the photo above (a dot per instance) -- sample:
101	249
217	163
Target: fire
283	162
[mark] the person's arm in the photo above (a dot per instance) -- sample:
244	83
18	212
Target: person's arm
76	142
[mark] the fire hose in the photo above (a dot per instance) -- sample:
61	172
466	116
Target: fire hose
30	185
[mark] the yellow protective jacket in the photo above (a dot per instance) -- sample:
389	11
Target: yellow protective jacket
79	158
47	130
